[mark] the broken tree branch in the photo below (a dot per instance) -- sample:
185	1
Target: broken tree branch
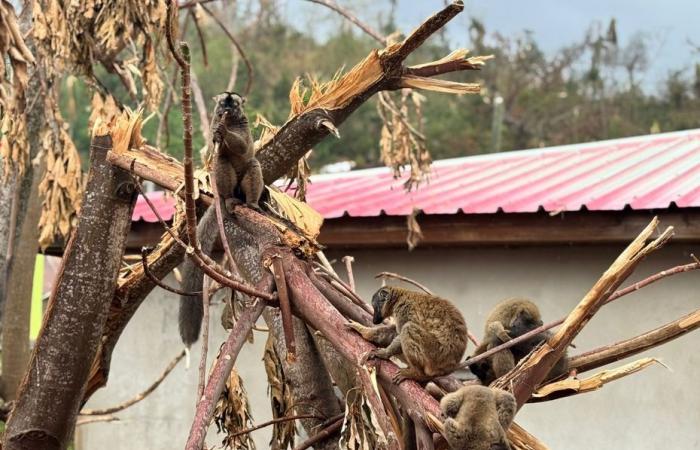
532	370
616	295
575	386
141	395
348	260
222	369
614	352
94	419
285	308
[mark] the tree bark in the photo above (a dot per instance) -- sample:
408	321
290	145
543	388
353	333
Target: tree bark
311	386
70	336
17	272
20	281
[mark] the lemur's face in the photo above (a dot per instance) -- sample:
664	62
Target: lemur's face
379	300
231	103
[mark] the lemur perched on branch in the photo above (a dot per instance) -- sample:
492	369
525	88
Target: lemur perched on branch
236	172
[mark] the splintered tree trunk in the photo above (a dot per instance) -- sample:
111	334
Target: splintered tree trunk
70	336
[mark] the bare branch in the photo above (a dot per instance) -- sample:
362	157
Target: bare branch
222	369
206	288
141	395
219	213
95	419
246	61
628	290
144	262
614	352
284	419
348	260
352	18
532	370
404	279
329	430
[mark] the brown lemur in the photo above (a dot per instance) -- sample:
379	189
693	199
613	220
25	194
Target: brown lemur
236	172
431	335
477	418
509	319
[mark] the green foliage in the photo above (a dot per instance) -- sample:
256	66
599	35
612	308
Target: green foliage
587	91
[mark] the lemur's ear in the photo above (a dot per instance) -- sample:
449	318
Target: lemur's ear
219	97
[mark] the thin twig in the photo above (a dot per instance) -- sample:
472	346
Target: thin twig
206	287
404	279
219	213
95	419
335	280
283	419
200	36
140	396
248	65
634	287
329	430
352	18
348	260
144	262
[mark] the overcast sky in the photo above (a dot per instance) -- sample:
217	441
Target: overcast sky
556	23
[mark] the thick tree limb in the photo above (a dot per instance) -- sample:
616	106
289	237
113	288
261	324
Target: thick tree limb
532	370
77	312
614	352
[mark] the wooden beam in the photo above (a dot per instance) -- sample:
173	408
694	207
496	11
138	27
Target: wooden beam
585	227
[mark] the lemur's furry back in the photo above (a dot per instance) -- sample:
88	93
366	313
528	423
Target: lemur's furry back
234	166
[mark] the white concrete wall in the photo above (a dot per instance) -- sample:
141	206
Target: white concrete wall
654	409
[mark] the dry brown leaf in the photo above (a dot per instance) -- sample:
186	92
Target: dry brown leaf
360	430
232	414
401	142
415	234
281	400
299	213
62	185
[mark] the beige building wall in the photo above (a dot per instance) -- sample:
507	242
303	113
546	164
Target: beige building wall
657	408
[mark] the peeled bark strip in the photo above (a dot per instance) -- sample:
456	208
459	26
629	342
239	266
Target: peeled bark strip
77	312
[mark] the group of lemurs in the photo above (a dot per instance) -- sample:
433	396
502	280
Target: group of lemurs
426	332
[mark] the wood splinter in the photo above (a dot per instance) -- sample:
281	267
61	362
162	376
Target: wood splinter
285	308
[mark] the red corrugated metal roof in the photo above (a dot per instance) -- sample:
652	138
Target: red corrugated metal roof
646	172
